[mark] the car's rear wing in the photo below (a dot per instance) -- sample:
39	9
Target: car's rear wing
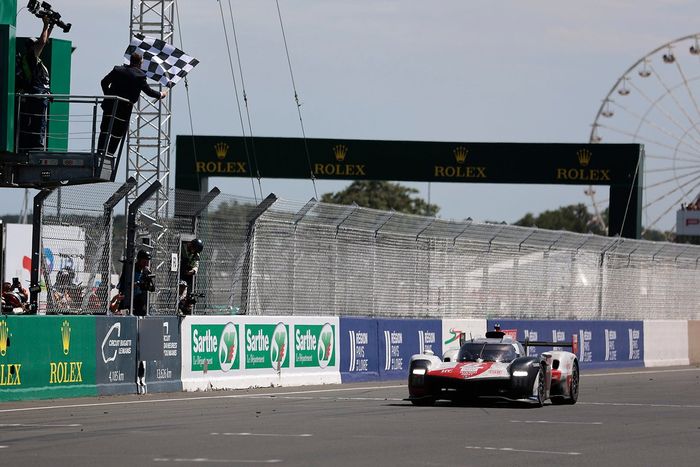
528	343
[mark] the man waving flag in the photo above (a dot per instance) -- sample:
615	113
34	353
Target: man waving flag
162	62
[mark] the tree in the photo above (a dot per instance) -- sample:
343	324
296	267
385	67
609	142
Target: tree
382	195
573	218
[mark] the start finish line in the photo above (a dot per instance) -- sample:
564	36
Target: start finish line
619	166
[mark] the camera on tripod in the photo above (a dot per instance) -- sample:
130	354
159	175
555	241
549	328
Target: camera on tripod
191	298
44	10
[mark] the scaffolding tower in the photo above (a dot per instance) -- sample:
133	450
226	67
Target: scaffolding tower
148	146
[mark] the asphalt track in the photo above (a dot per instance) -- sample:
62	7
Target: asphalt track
647	417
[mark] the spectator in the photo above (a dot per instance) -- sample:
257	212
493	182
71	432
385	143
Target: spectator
15	297
189	262
142	284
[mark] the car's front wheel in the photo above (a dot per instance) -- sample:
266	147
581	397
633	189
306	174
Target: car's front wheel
540	388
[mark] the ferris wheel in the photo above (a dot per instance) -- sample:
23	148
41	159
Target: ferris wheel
656	102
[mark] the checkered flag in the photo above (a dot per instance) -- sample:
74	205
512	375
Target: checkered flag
162	62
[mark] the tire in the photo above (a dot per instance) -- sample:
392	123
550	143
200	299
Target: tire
573	389
540	388
574	386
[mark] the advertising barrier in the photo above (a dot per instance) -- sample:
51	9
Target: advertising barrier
665	343
159	354
600	344
401	338
227	352
115	367
47	357
359	350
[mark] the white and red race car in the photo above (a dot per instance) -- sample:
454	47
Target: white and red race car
496	366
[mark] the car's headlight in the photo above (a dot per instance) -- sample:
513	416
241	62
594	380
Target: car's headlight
520	373
418	371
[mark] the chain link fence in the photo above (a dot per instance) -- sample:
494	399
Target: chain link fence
222	226
345	260
281	257
77	245
83	249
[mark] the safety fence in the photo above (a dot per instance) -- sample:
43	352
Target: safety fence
100	355
318	258
278	257
84	249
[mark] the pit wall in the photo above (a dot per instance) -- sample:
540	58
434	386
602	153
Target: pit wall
44	357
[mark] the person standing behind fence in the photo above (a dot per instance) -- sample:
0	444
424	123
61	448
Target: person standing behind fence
142	284
126	81
32	77
189	263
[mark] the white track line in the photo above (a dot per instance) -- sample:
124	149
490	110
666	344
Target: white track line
272	435
641	372
22	425
555	422
557	453
316	391
198	398
634	404
204	460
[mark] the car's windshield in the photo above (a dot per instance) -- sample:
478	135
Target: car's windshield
472	352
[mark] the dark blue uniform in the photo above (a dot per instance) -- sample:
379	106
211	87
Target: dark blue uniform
127	82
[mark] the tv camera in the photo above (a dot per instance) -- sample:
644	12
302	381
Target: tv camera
44	10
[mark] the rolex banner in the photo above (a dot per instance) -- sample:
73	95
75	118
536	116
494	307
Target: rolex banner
47	357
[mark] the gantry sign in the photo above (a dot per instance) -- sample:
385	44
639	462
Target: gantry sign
614	165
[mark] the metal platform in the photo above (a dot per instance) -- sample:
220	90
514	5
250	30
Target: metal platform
70	155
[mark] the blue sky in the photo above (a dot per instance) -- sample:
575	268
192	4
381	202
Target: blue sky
448	70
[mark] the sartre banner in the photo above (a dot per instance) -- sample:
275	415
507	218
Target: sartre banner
245	351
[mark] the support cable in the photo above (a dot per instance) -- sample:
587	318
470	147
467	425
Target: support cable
629	197
187	92
238	101
296	98
245	99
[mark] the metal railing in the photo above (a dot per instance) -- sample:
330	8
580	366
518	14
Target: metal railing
65	119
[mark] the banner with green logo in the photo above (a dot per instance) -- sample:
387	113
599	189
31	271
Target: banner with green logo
314	345
215	347
267	346
47	356
244	351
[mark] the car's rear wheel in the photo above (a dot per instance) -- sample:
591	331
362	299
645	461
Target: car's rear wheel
573	386
573	389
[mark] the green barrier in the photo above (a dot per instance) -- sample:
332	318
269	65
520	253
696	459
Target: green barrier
43	357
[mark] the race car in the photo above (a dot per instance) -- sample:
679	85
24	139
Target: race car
495	366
